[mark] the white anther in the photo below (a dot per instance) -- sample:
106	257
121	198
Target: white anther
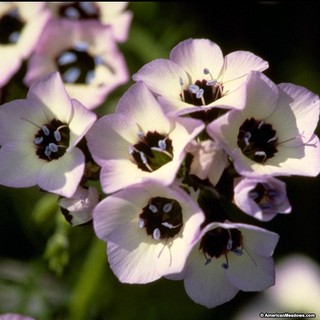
261	154
199	93
53	147
153	208
141	223
208	260
272	139
229	244
167	207
45	130
193	88
72	13
131	150
162	144
57	135
260	124
143	157
180	81
47	152
156	234
37	140
168	225
247	136
211	82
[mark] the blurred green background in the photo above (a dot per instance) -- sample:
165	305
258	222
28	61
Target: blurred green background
78	283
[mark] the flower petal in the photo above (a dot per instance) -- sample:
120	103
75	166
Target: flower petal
62	176
19	165
195	55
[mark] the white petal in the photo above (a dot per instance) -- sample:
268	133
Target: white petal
194	55
207	284
82	120
62	176
162	77
132	255
19	164
250	272
51	92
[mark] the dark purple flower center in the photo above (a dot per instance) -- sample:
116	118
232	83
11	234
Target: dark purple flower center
79	11
162	218
76	65
202	93
52	140
152	151
10	27
257	140
265	197
220	241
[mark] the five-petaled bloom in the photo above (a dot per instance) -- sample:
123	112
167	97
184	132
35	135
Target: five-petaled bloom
197	75
39	136
274	133
149	229
142	142
226	258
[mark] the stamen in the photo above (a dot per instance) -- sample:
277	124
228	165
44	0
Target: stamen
167	207
162	144
53	147
260	124
229	244
253	195
47	152
261	154
211	82
193	88
247	136
272	139
143	157
225	265
170	226
141	134
38	140
45	130
272	193
57	135
156	234
153	208
141	223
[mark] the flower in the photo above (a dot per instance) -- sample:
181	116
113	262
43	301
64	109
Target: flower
148	229
142	142
262	198
197	75
78	209
226	258
38	138
21	26
274	133
85	54
209	160
112	14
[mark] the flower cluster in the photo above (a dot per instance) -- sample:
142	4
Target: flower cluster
198	141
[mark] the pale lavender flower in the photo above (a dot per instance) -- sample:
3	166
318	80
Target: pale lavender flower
38	138
197	75
227	258
78	209
112	14
274	133
139	141
86	55
262	198
148	228
21	25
